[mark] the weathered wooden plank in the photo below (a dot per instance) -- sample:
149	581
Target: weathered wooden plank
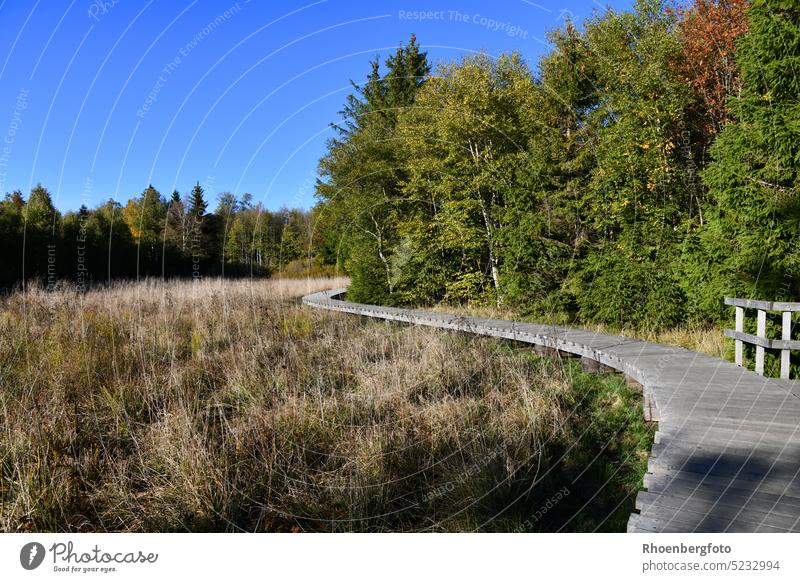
749	475
765	305
730	492
740	508
655	521
773	344
725	453
733	448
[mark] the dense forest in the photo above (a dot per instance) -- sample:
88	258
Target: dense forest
642	170
148	237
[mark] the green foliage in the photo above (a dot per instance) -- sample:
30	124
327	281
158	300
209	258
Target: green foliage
751	245
148	237
362	172
463	139
616	290
576	189
197	203
604	473
637	189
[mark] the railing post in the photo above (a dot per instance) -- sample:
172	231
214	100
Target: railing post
761	332
739	343
786	335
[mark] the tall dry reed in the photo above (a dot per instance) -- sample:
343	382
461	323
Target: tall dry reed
228	406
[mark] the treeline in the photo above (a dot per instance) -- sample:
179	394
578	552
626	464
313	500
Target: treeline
151	236
645	168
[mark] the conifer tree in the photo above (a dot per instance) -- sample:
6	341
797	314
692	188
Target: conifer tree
750	246
363	170
197	203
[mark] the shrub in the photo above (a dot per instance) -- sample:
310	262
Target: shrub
624	293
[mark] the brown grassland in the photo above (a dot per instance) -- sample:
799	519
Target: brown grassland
229	406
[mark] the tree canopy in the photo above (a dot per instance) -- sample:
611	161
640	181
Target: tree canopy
149	236
645	167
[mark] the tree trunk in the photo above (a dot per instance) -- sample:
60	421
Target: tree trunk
378	236
487	219
490	243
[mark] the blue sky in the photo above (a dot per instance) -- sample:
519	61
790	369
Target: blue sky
99	99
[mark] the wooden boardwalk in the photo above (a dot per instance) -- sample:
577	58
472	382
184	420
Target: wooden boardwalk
726	456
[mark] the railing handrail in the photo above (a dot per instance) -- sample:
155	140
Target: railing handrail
760	340
763	305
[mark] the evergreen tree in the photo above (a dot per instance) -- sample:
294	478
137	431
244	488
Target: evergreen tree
749	248
149	236
546	210
197	203
363	170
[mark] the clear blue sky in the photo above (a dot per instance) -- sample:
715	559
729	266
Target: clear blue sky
244	91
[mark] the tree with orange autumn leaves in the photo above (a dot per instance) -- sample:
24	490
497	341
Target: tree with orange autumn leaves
708	31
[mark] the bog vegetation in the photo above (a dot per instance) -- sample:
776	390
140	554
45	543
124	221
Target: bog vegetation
227	406
641	170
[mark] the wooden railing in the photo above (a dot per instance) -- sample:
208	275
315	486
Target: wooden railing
785	344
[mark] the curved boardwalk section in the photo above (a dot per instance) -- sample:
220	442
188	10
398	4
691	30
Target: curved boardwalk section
727	451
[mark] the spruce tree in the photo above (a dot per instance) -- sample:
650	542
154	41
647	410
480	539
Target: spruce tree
363	170
197	204
750	245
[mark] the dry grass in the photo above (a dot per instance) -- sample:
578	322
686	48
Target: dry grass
226	406
705	339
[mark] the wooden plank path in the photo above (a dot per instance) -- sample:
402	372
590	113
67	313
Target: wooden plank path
726	456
